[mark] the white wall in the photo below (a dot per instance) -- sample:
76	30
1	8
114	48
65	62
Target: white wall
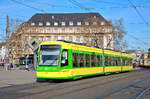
2	52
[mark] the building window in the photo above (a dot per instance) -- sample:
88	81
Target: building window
52	17
49	38
102	23
63	38
41	31
63	23
78	23
71	23
55	23
86	23
109	30
40	23
70	38
32	24
94	23
78	39
55	38
108	38
48	23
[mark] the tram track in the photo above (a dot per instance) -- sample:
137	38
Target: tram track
102	97
58	89
87	81
141	93
81	85
44	83
134	83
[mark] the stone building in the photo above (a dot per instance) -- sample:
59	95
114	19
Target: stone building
2	51
88	28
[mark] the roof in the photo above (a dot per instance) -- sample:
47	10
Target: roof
85	48
2	44
64	17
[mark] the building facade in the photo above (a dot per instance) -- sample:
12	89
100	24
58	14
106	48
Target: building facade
2	52
87	28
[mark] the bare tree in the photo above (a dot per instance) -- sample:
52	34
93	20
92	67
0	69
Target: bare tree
95	32
13	39
119	33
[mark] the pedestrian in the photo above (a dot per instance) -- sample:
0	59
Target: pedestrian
11	65
8	66
27	67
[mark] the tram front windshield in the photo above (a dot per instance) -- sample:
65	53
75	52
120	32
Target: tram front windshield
49	55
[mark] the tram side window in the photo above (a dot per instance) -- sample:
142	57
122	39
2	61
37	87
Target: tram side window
123	61
114	61
120	61
106	61
81	60
75	60
117	61
64	58
126	61
109	60
130	62
99	60
88	60
94	59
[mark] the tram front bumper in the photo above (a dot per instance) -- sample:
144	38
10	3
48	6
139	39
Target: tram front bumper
54	75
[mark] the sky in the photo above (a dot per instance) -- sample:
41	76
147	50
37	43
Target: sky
136	23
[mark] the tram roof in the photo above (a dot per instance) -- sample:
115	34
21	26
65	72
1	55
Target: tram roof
66	45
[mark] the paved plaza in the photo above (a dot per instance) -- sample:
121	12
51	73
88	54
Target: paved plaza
15	77
20	84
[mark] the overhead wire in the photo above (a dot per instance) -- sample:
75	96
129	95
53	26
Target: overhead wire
79	5
26	5
108	2
139	14
139	40
74	2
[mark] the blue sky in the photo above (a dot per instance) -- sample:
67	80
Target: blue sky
138	33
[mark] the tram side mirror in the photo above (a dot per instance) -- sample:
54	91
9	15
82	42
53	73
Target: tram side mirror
64	58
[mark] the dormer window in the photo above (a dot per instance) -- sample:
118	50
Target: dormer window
78	23
94	23
71	23
55	23
102	23
32	24
86	23
52	17
63	23
48	23
40	23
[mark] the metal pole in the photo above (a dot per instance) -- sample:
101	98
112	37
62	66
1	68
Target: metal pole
26	62
103	58
35	59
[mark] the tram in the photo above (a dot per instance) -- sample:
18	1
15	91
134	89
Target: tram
63	60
